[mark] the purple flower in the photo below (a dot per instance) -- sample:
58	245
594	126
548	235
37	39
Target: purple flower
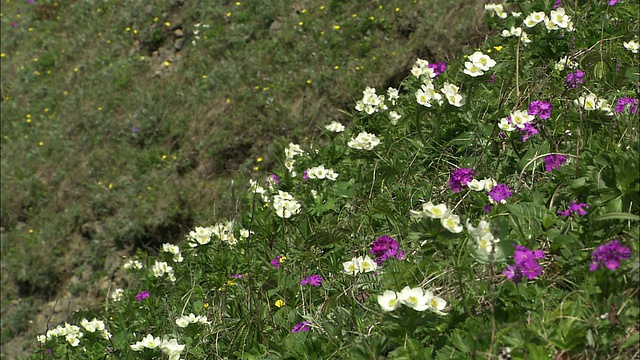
557	4
314	280
31	1
613	2
239	276
526	264
305	176
576	208
142	295
135	129
499	193
575	79
540	108
14	24
487	208
622	103
528	130
492	79
459	179
609	255
301	327
272	180
438	68
554	161
384	248
277	261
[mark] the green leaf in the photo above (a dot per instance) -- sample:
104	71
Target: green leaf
617	215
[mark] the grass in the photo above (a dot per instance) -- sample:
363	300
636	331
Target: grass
112	139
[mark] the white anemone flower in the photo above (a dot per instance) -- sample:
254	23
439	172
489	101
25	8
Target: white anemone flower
388	300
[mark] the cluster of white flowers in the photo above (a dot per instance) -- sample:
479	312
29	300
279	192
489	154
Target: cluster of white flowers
392	94
359	265
364	141
169	347
184	320
483	236
199	236
72	333
335	127
450	221
290	153
534	18
415	298
132	264
285	204
450	92
420	68
320	172
117	294
394	117
427	93
160	268
371	102
496	9
202	236
196	32
517	119
478	63
591	102
254	188
631	45
224	231
565	62
482	185
517	32
174	250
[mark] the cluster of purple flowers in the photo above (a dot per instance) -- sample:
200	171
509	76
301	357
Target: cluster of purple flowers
609	255
499	192
459	179
526	264
576	78
576	208
557	4
623	102
384	248
277	261
438	68
142	295
314	280
529	131
540	108
613	2
301	327
272	180
554	161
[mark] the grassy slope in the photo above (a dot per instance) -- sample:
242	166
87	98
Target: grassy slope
112	139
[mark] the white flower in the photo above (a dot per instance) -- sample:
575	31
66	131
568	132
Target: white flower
476	185
413	298
506	125
520	117
172	348
366	264
427	93
435	212
293	150
421	67
489	183
285	205
559	18
42	339
117	294
183	321
73	339
200	236
150	342
320	172
483	236
370	102
496	9
631	45
450	91
588	102
245	233
472	70
335	127
435	304
132	264
392	94
534	18
452	223
394	116
482	61
388	300
351	267
565	62
516	14
138	346
106	334
364	141
170	248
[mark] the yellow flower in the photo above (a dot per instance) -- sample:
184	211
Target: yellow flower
309	81
206	305
336	27
228	101
166	63
238	3
255	168
75	69
259	159
155	19
322	7
498	48
204	76
30	231
110	186
127	29
167	24
41	143
282	259
280	303
336	67
230	282
164	157
300	23
397	9
3	54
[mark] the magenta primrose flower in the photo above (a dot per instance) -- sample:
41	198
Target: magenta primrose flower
613	2
499	193
301	327
526	264
623	102
438	68
459	179
609	255
529	131
553	162
142	295
540	108
277	261
385	248
314	280
574	208
576	78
